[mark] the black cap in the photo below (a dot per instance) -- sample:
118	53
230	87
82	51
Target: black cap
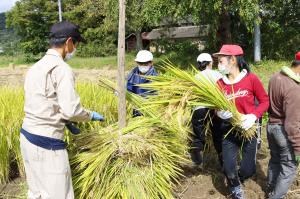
66	29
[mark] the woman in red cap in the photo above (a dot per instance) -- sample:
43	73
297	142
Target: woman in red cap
242	86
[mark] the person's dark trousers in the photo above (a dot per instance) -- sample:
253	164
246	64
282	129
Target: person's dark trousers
136	113
218	127
199	121
231	147
282	168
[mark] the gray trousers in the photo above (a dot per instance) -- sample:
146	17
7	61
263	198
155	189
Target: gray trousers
282	168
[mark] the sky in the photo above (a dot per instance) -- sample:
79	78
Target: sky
6	5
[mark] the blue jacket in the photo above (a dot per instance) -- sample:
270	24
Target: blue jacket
135	77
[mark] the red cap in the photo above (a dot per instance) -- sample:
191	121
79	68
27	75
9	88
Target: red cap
230	49
297	56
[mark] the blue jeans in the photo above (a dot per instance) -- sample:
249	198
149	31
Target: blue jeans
231	146
282	168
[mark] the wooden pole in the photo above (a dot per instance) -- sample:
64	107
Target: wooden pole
121	67
257	43
59	11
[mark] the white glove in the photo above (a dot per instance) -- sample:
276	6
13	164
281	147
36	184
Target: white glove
248	121
224	114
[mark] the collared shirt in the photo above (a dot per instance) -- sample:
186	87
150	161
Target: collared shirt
50	97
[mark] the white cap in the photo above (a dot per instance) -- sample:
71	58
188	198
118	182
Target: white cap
204	57
144	56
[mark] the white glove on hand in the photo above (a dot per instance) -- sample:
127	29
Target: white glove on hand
224	114
248	121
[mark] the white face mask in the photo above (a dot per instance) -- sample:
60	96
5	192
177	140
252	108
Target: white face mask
223	69
70	55
144	69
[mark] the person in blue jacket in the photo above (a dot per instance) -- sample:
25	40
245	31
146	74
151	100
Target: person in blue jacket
144	61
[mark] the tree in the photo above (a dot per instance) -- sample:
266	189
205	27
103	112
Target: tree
280	28
31	19
229	21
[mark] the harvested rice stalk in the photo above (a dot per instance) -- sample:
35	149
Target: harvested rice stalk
142	163
178	84
175	115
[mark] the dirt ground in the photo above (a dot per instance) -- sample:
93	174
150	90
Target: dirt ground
207	182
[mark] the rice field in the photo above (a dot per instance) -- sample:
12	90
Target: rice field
147	147
105	161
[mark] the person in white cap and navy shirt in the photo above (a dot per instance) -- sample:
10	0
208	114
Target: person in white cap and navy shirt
199	117
51	103
144	61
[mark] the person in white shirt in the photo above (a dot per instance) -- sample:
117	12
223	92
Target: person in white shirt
201	114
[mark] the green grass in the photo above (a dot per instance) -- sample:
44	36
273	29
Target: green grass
265	69
110	62
5	60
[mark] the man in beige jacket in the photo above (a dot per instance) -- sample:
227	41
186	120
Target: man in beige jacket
50	103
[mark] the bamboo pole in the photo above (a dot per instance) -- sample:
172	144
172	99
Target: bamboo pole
121	67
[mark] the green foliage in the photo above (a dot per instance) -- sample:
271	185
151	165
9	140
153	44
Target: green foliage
32	20
280	28
100	43
9	41
183	52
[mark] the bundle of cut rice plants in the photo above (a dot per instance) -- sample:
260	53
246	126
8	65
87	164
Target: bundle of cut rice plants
140	161
177	112
177	84
143	162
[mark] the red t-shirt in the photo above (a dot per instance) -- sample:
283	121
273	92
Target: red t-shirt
245	91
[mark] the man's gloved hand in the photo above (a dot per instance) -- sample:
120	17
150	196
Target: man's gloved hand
97	117
72	128
248	121
297	158
225	115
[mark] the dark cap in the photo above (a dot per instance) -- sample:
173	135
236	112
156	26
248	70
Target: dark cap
66	29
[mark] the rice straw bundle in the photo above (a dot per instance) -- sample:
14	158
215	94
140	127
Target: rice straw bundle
170	111
177	84
142	163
